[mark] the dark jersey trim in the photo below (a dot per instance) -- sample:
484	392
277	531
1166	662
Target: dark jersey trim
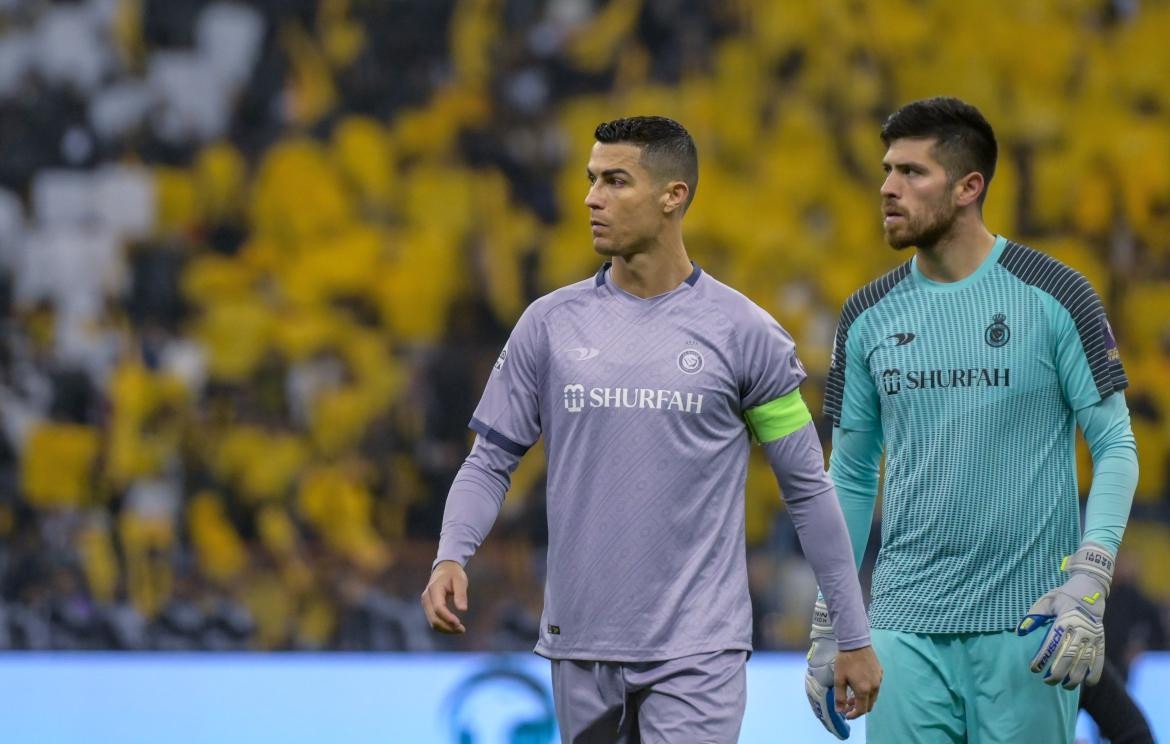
496	438
1074	292
858	302
599	277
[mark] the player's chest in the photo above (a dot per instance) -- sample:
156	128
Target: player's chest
956	348
668	363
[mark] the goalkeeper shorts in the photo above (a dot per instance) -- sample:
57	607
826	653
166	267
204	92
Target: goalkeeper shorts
966	688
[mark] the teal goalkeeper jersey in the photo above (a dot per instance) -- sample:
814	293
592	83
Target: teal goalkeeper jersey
973	386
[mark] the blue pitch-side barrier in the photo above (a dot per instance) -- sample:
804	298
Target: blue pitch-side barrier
349	697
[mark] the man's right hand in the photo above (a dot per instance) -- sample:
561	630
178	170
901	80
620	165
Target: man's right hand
859	672
447	580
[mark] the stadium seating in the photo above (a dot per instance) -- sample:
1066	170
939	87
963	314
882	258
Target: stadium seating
257	258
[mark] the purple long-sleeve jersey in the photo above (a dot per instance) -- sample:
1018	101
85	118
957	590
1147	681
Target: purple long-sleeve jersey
642	404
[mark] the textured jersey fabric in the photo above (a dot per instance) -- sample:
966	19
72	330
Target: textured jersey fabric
974	387
641	403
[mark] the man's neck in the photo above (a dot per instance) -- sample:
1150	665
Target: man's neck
652	272
958	254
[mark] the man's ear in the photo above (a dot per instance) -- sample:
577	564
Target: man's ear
674	198
968	188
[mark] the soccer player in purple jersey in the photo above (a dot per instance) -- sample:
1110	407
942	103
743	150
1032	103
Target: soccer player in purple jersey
648	380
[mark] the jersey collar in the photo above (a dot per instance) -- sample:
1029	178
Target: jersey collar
991	260
605	267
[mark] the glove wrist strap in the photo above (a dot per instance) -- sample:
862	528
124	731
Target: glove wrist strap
1094	560
822	624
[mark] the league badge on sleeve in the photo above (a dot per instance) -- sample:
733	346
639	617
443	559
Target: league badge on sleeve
1112	353
501	358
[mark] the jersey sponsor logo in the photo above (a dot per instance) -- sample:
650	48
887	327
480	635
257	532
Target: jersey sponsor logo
574	398
503	357
893	381
997	334
578	399
898	339
690	361
581	353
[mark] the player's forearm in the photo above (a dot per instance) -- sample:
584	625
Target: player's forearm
1115	469
798	463
474	501
853	466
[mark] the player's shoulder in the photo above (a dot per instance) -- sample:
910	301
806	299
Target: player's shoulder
562	298
872	293
739	309
1037	269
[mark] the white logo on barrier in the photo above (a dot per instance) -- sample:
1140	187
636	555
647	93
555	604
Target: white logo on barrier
574	398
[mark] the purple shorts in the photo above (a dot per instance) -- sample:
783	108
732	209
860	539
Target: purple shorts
696	699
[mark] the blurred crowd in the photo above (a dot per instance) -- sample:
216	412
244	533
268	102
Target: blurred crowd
256	259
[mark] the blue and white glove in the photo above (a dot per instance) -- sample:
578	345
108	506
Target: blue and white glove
1073	650
819	677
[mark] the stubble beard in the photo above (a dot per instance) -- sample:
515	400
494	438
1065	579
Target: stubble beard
924	232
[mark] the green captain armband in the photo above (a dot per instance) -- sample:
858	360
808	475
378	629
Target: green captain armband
777	418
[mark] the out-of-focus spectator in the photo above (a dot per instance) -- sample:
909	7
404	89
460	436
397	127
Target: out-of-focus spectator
1135	622
257	258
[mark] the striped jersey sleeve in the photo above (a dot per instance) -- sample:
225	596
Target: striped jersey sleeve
1088	355
846	372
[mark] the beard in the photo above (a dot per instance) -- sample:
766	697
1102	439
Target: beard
926	229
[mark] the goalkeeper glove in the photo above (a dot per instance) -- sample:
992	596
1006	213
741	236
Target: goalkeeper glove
819	677
1073	650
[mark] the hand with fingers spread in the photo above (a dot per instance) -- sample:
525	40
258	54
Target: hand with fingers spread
448	580
1073	650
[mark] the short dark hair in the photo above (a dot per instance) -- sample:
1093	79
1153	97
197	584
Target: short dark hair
964	140
667	148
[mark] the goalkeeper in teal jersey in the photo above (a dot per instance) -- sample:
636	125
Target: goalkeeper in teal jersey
971	365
